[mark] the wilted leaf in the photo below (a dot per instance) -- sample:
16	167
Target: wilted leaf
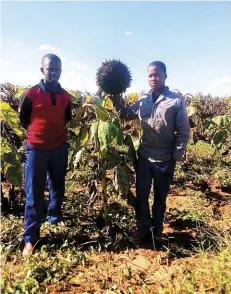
76	131
133	97
122	148
116	121
123	179
112	160
108	134
116	136
76	95
104	134
14	174
131	154
107	103
94	130
222	121
5	146
19	92
84	135
78	157
136	144
219	138
95	154
75	280
78	116
209	126
98	102
88	99
101	113
94	134
191	110
10	116
10	163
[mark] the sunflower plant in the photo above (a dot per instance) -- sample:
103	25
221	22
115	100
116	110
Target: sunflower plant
98	137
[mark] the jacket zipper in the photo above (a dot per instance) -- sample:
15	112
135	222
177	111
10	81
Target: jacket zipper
53	99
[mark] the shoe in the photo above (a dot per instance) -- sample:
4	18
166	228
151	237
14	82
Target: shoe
139	235
28	249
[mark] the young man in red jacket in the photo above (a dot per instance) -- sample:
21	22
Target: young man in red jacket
44	111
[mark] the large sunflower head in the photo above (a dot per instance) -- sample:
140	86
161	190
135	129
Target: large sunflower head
113	77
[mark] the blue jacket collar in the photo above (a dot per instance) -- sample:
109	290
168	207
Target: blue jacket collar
149	97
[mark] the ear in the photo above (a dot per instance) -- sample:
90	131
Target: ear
166	76
41	69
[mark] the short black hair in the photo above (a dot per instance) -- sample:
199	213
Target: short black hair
160	64
51	56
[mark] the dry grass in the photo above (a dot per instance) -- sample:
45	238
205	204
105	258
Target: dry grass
197	261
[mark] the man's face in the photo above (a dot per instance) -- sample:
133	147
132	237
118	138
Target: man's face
156	77
51	70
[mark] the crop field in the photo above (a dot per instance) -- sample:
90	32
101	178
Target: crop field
90	251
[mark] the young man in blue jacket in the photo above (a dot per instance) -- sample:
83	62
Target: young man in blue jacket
44	111
166	131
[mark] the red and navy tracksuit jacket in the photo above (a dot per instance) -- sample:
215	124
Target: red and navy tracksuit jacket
44	114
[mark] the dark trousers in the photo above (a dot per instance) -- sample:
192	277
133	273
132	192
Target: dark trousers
42	165
162	173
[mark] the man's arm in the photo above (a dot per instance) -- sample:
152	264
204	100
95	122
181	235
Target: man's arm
182	132
127	113
68	112
24	110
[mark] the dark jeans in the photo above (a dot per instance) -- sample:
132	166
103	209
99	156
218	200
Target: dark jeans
42	165
162	173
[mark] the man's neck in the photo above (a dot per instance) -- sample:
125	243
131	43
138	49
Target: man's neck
157	93
51	86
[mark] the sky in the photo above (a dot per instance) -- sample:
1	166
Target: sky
193	39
